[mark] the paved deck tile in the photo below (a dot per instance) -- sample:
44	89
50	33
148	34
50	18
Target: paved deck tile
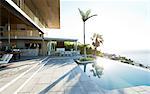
64	76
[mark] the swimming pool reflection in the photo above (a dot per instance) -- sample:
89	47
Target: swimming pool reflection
97	70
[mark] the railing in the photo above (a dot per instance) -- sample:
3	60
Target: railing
20	33
25	8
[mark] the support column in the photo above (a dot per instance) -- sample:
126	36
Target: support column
76	46
43	46
8	28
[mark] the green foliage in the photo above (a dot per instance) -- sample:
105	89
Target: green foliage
99	53
82	14
81	48
85	16
97	39
89	49
121	59
86	59
69	46
88	13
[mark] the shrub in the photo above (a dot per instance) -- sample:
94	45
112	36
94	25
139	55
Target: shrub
87	59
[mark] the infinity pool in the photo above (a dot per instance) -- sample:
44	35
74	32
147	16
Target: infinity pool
109	74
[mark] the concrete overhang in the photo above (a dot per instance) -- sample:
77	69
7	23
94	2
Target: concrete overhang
60	39
40	38
13	8
49	10
21	38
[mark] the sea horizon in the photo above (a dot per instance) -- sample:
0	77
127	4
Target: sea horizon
139	56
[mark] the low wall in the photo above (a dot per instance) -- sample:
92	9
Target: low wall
29	52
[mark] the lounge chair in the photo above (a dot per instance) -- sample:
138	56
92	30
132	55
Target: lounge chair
6	58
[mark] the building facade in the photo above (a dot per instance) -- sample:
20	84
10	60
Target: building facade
22	23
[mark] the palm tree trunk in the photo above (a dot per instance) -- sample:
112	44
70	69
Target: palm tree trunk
95	51
84	32
84	39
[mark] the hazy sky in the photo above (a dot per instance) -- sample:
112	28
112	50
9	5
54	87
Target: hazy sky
124	24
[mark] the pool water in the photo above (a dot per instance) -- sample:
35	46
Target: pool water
109	74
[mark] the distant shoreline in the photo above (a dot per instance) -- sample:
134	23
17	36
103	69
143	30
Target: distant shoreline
124	59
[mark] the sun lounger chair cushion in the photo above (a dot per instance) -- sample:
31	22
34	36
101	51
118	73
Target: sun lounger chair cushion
6	58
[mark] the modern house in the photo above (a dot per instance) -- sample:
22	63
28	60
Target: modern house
22	24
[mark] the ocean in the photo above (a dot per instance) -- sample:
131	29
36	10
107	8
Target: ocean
142	57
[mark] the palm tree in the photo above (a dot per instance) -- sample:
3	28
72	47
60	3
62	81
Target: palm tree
85	16
97	39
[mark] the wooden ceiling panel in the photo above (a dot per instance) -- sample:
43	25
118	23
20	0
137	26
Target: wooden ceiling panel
6	15
48	9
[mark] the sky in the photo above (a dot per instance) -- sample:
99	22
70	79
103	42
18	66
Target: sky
124	24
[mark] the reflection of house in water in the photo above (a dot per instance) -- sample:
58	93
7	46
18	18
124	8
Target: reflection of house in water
22	23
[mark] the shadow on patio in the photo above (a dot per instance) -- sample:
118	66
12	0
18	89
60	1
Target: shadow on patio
59	62
67	77
63	76
20	62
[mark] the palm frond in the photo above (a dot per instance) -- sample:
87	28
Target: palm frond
97	40
87	13
82	14
90	16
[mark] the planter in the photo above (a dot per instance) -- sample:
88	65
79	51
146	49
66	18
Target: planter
84	63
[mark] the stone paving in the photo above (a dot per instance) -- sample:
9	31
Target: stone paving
132	90
63	76
14	70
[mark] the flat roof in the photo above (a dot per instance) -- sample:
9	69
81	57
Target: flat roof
39	38
60	39
21	38
50	10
